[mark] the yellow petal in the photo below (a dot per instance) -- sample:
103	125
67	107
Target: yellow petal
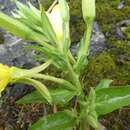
56	22
4	71
5	76
3	84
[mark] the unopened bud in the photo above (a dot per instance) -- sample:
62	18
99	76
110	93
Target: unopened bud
88	9
64	10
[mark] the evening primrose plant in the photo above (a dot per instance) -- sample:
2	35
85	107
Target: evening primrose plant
51	31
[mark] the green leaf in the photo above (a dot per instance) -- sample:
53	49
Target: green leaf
54	54
14	26
31	17
103	84
59	96
19	29
110	99
57	121
32	14
92	119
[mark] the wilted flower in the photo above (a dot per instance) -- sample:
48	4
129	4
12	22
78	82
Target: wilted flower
5	76
56	21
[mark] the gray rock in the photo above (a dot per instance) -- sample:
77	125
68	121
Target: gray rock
121	5
120	26
7	6
13	52
97	44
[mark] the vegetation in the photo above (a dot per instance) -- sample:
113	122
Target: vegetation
52	33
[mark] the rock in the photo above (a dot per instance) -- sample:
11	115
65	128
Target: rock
121	5
97	44
120	26
97	40
13	52
7	6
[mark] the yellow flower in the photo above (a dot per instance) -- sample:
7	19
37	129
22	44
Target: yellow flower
5	76
56	22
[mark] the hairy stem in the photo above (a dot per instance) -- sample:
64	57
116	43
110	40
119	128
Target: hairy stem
54	79
88	36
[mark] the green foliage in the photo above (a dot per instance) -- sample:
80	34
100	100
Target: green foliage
77	23
15	27
59	96
33	24
102	65
58	121
113	15
103	84
126	31
110	99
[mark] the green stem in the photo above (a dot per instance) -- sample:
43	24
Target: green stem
56	80
71	58
74	77
88	36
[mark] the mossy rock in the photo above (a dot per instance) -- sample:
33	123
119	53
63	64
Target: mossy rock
99	67
77	23
126	32
108	14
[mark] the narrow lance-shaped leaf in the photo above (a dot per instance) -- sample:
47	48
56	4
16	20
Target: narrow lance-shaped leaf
29	12
110	99
59	96
105	83
57	121
31	17
14	26
19	29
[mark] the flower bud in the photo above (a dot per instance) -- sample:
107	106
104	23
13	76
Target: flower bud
64	9
88	9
